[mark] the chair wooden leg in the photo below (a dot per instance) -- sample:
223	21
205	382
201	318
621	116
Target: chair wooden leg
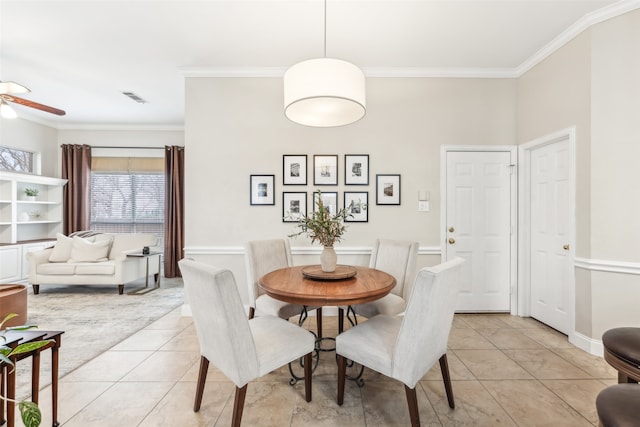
308	362
319	321
340	320
35	376
252	312
342	375
238	405
444	367
202	378
412	400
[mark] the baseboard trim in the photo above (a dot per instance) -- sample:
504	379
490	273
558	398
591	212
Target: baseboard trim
587	344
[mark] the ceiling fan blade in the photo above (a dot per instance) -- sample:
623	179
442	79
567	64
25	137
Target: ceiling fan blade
13	87
32	104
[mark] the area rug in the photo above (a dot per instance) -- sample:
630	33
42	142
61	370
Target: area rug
94	319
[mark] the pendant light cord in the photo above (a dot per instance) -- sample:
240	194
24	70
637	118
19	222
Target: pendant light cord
325	28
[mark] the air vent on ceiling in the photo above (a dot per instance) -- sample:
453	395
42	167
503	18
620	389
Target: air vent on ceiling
134	97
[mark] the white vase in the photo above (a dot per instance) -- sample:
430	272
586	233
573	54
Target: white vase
30	198
328	259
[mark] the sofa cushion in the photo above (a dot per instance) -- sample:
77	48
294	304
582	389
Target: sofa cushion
62	250
85	251
56	268
96	268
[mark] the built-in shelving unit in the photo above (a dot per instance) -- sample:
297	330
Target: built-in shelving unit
22	219
26	225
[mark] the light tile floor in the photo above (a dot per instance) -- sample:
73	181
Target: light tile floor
506	371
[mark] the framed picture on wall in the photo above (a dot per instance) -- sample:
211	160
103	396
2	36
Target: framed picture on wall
261	188
294	206
330	201
387	189
294	169
356	169
357	203
325	170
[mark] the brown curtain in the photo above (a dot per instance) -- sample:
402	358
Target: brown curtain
173	210
76	169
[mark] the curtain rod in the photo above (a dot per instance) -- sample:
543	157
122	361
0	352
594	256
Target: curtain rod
125	148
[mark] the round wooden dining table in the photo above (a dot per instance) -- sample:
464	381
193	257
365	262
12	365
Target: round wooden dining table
308	285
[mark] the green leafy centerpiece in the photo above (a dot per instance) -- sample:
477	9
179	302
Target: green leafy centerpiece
326	228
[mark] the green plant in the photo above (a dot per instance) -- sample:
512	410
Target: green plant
320	225
31	191
29	411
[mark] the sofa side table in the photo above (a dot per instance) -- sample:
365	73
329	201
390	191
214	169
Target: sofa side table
156	277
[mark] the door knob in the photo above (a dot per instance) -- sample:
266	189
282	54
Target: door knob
452	241
451	229
565	247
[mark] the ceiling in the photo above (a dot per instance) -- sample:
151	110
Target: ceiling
80	56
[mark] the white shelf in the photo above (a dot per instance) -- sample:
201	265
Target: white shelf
36	202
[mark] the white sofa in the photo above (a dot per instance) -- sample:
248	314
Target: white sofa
100	259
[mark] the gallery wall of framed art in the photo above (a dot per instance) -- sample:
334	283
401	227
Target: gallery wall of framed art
304	174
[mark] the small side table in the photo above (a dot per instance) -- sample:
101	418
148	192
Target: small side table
9	375
146	288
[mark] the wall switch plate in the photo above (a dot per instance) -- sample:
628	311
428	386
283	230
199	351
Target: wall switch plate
423	206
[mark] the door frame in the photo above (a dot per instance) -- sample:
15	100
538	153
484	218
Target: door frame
524	249
513	244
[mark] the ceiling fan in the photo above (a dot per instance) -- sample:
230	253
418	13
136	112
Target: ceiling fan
7	90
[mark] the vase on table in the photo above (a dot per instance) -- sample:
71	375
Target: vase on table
328	259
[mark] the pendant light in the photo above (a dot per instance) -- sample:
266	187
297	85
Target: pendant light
324	92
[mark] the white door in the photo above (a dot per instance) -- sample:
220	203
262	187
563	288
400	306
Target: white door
551	258
478	225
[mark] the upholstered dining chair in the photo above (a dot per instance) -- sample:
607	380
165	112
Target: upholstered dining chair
398	258
242	349
262	257
406	347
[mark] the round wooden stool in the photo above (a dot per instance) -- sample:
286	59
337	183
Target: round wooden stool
619	406
622	351
13	299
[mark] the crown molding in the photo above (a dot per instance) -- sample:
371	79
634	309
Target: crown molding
595	17
119	127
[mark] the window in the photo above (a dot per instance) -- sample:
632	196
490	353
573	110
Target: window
128	201
16	160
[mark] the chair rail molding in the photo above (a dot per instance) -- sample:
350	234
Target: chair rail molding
623	267
299	250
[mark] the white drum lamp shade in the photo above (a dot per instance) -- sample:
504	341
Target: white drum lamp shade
324	92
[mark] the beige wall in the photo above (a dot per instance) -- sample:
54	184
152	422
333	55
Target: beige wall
592	83
555	95
615	171
31	136
235	127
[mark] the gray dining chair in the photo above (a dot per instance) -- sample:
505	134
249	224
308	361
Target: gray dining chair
262	257
406	347
397	258
242	349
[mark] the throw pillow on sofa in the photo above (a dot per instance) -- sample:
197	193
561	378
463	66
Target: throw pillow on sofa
83	250
62	250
